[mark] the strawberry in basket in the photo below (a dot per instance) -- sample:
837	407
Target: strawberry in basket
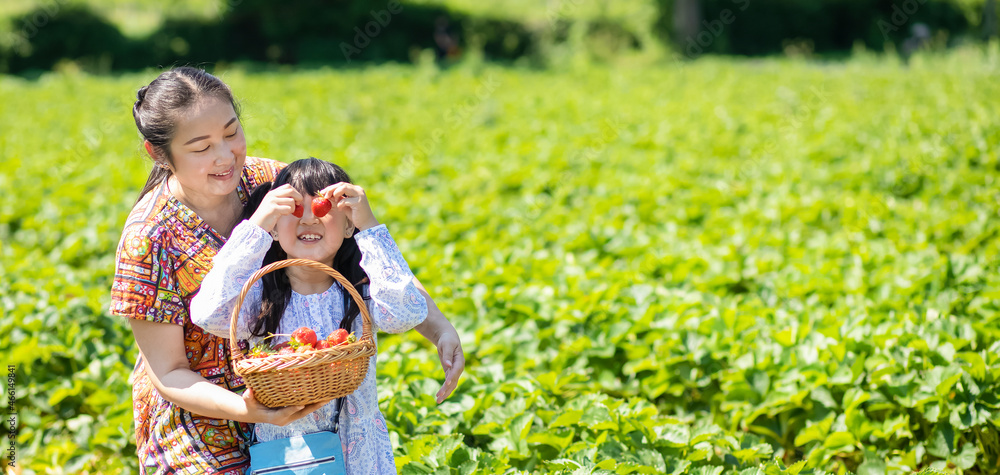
302	340
340	337
261	350
303	336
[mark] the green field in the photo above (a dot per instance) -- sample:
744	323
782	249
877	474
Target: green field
725	266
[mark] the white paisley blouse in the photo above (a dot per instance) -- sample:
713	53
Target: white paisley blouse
396	306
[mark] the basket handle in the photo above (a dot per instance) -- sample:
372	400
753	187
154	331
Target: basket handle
366	325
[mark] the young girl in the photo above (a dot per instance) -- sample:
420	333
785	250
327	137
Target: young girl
296	296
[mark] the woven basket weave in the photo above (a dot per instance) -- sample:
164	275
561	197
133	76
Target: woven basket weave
304	378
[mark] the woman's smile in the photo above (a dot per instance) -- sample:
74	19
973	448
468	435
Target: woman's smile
224	175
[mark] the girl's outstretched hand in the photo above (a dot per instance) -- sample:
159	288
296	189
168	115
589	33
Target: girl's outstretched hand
351	199
276	203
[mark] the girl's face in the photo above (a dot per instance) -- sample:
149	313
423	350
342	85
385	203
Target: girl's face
310	237
208	150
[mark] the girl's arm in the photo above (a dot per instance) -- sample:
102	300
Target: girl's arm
397	304
439	331
239	258
166	364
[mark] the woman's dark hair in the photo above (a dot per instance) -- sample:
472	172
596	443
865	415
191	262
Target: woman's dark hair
160	105
309	176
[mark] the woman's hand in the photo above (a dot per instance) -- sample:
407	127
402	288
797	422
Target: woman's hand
351	199
452	360
438	330
279	416
278	202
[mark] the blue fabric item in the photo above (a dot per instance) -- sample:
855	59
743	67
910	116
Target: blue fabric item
310	454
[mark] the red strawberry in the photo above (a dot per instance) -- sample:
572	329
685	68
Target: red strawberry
338	337
321	206
286	351
304	336
304	349
323	344
299	209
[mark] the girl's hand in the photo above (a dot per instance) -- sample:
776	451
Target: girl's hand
279	416
276	203
352	201
453	360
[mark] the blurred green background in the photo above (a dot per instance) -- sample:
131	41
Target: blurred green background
696	237
105	35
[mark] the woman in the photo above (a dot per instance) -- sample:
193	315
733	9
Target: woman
200	181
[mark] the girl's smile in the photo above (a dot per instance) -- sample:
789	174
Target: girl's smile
310	237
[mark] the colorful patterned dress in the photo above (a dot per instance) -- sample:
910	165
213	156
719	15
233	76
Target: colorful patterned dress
164	253
396	306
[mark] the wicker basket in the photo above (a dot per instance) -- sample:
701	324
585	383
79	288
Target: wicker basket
304	378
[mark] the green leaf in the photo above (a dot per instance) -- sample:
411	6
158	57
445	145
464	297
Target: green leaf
966	459
673	435
873	465
942	441
974	364
796	467
951	377
558	439
838	440
785	337
416	468
567	418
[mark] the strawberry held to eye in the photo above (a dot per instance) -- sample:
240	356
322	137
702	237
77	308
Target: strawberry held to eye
321	206
303	336
299	209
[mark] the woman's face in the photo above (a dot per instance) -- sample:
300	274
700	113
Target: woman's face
310	237
208	150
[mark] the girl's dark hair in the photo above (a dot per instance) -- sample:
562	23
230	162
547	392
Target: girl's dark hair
309	176
159	106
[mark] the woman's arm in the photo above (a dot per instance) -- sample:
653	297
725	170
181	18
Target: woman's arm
241	256
162	349
439	331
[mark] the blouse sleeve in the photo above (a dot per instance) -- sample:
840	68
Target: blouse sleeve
396	304
144	286
239	258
